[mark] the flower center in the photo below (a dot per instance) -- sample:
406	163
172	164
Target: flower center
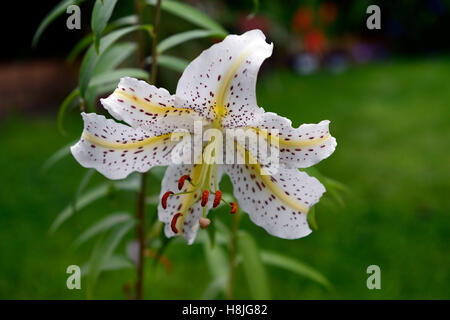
202	187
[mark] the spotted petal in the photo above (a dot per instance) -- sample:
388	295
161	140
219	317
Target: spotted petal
299	147
116	150
192	210
222	79
154	109
278	203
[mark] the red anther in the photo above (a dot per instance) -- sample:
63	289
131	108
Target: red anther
205	197
217	198
233	207
181	181
174	222
164	199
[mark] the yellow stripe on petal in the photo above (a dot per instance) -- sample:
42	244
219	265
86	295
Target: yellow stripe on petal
292	143
123	145
225	83
148	106
274	187
220	108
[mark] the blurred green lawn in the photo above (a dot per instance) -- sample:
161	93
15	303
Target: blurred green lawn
392	124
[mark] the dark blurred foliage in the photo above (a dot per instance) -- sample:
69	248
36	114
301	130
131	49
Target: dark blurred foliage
408	26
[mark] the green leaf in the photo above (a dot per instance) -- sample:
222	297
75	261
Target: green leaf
179	38
191	14
115	75
311	217
94	91
255	9
253	266
216	286
217	260
63	109
87	40
80	46
58	10
122	21
103	225
91	58
114	262
173	63
211	231
114	56
55	157
100	16
92	195
84	181
107	82
104	250
293	265
158	172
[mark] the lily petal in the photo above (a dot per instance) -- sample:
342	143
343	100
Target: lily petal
116	150
142	105
299	147
222	80
278	203
192	210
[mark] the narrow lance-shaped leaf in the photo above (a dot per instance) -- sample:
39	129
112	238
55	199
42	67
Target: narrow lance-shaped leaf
103	251
83	183
255	9
114	57
179	38
214	287
87	40
114	262
63	109
217	261
61	153
90	196
107	82
173	63
255	272
115	75
191	14
293	265
100	16
311	218
102	225
80	46
91	58
58	10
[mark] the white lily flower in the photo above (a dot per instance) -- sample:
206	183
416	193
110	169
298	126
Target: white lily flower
218	87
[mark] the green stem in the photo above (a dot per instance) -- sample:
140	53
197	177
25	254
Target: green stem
140	233
140	228
154	65
233	254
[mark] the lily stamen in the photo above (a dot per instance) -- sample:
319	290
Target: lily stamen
217	198
205	197
164	199
233	207
182	179
174	222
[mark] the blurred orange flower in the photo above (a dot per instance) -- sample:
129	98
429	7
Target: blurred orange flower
303	19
